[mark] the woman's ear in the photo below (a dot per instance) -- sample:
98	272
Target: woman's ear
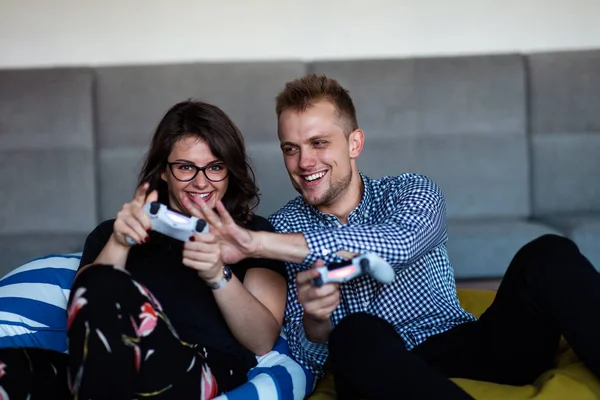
356	140
163	176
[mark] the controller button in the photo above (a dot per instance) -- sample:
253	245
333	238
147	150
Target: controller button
154	207
200	224
365	265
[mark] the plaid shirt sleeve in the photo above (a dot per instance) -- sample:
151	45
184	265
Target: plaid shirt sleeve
311	355
413	223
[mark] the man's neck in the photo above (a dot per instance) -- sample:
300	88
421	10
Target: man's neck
347	201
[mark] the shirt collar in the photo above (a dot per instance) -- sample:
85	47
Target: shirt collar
360	213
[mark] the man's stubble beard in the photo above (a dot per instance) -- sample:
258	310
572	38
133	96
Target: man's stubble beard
332	193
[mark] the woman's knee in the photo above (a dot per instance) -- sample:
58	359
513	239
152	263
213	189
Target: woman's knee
101	275
101	281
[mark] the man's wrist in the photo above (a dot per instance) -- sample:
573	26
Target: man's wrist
317	330
287	247
258	237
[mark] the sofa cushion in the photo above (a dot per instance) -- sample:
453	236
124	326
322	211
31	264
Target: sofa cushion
17	249
564	169
485	248
47	163
33	303
470	169
564	91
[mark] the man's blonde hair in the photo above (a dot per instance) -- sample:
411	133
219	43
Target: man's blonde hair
301	94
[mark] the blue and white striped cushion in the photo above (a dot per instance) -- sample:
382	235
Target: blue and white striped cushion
33	303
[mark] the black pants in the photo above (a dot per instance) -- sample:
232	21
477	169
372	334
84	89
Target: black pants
122	345
549	289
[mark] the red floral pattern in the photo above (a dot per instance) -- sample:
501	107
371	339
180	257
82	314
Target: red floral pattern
77	304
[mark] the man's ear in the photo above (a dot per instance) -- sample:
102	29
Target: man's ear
356	140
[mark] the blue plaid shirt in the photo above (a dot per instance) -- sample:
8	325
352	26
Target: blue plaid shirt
403	220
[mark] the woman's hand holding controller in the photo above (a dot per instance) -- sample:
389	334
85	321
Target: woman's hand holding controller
132	220
202	253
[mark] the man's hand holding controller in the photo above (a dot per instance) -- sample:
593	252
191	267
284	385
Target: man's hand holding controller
318	303
364	264
318	289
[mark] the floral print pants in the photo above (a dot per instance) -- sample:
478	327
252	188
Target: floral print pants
33	374
122	345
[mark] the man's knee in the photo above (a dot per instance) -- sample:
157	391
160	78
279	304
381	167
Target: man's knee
361	341
551	243
549	247
554	254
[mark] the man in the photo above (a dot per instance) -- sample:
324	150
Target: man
406	338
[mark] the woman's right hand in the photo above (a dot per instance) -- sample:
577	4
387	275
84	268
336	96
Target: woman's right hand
132	220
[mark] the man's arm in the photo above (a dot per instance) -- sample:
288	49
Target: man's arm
288	247
413	223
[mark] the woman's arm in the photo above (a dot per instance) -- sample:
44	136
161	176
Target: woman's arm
131	221
254	310
113	253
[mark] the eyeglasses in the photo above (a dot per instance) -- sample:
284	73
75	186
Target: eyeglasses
185	172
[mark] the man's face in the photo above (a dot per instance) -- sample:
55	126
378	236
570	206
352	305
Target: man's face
317	153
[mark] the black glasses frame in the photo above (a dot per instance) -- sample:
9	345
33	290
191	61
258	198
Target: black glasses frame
198	169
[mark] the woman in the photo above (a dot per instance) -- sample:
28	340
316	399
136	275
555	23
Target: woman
165	318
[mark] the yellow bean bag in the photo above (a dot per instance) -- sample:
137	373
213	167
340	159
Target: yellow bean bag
569	380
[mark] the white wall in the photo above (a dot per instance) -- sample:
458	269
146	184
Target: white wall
105	32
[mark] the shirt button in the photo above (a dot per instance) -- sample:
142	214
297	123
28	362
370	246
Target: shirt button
365	303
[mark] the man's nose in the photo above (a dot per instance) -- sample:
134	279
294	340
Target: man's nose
307	159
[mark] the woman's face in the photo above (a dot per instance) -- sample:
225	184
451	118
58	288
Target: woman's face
188	153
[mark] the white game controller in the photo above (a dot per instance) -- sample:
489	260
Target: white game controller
369	263
171	223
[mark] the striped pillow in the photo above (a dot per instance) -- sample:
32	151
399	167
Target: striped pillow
33	303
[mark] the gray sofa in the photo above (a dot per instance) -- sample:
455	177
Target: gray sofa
513	140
